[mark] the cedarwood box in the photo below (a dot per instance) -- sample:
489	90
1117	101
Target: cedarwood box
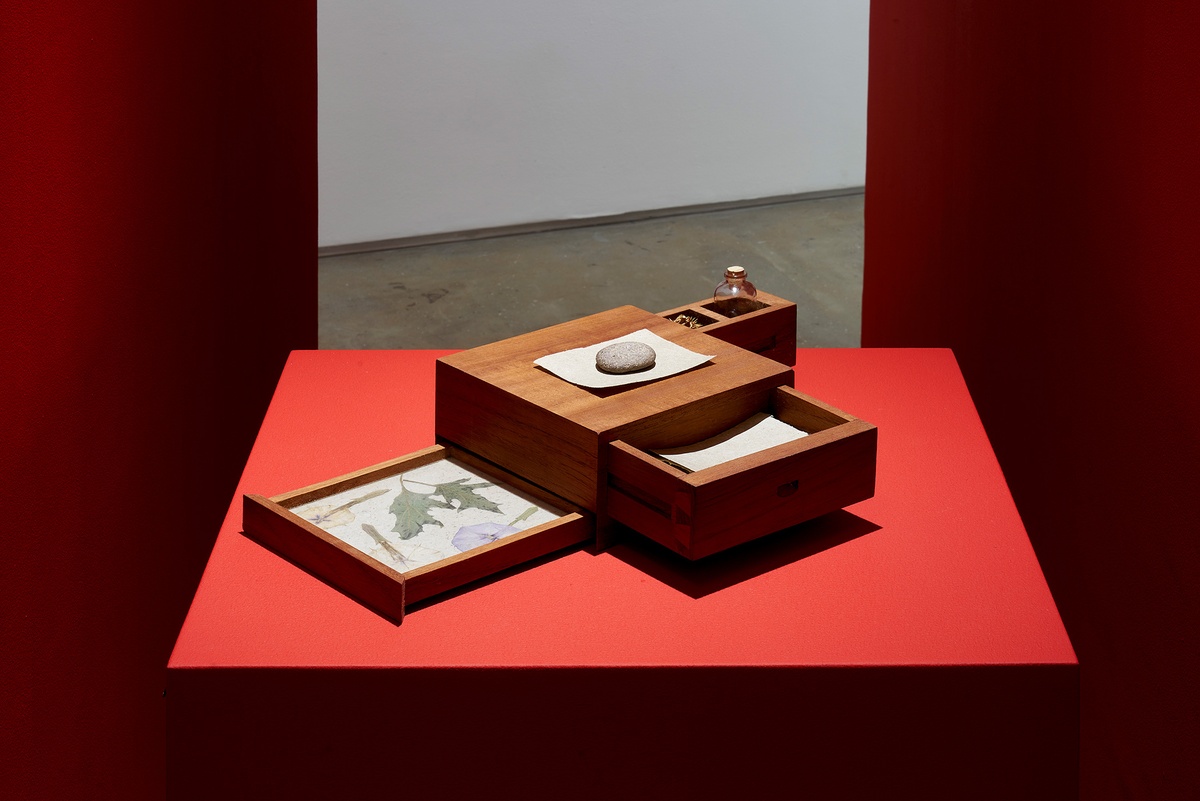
495	402
584	450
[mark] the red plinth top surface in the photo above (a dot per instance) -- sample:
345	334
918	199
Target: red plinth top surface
936	569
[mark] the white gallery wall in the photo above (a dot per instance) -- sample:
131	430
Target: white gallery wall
446	115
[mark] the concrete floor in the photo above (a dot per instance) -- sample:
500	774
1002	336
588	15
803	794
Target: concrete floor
463	294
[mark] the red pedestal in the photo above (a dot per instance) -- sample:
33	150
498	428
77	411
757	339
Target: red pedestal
907	646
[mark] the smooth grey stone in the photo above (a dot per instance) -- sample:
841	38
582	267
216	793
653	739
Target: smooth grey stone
625	357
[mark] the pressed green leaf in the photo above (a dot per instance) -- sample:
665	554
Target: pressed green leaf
528	513
412	513
466	495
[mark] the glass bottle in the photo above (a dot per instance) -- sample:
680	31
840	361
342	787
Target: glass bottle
735	295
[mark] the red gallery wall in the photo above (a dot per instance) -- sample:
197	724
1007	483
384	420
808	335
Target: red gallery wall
157	237
1032	203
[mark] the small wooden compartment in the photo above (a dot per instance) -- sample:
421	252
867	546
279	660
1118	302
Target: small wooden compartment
380	539
768	331
703	512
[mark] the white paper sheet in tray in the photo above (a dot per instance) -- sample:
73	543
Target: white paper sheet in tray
756	434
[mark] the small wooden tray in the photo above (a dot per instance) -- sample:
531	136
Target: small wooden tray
701	513
413	555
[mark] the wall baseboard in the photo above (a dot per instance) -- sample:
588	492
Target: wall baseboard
582	222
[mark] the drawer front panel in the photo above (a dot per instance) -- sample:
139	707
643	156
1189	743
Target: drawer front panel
697	514
828	471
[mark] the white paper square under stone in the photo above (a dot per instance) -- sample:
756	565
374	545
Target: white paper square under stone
756	434
578	365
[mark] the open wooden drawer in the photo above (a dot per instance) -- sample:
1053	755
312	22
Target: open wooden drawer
413	527
709	510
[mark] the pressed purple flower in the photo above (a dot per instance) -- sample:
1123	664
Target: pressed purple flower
469	537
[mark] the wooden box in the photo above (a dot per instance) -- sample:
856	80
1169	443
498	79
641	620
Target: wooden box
703	512
495	402
768	331
388	576
580	456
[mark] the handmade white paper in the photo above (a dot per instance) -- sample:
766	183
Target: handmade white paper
578	365
426	514
756	434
